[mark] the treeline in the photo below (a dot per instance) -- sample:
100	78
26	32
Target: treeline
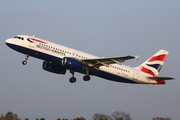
117	115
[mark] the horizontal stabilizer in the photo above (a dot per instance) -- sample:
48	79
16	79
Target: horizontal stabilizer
160	78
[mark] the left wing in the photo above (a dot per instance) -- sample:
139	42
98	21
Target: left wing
107	61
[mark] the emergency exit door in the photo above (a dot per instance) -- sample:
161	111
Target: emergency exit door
136	73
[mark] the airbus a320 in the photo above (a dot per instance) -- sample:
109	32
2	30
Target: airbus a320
59	59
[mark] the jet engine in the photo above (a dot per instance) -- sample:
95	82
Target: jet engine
72	64
51	67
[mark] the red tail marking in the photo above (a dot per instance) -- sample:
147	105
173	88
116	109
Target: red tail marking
147	71
160	82
161	57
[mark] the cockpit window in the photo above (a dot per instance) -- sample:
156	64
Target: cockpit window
21	38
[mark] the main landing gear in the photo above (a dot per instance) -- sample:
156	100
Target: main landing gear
85	78
72	79
26	58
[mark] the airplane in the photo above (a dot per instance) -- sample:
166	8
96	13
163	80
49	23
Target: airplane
58	59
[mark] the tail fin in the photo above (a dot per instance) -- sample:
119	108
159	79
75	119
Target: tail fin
154	64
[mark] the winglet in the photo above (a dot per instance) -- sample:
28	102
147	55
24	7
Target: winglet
136	57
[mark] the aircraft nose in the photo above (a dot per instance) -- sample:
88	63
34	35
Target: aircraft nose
9	41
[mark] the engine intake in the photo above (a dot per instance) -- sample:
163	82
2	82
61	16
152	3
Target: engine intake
51	67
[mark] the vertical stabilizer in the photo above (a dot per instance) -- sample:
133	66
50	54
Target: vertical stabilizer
154	64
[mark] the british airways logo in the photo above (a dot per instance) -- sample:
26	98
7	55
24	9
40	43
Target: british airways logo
47	47
32	40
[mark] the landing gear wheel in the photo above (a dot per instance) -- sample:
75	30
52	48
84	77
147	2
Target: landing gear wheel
26	58
86	78
72	80
24	62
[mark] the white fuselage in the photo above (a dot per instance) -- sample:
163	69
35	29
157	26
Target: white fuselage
43	48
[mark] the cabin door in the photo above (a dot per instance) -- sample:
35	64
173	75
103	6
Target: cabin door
32	44
136	73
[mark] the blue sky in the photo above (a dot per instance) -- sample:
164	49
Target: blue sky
103	28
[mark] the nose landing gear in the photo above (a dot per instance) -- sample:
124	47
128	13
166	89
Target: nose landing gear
26	58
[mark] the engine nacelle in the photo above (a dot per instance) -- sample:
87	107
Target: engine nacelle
51	67
72	64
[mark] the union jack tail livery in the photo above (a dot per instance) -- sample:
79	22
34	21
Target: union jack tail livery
154	64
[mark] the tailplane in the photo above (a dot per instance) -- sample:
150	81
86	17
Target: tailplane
154	64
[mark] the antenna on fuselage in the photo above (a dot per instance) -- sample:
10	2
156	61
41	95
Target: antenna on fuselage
33	35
